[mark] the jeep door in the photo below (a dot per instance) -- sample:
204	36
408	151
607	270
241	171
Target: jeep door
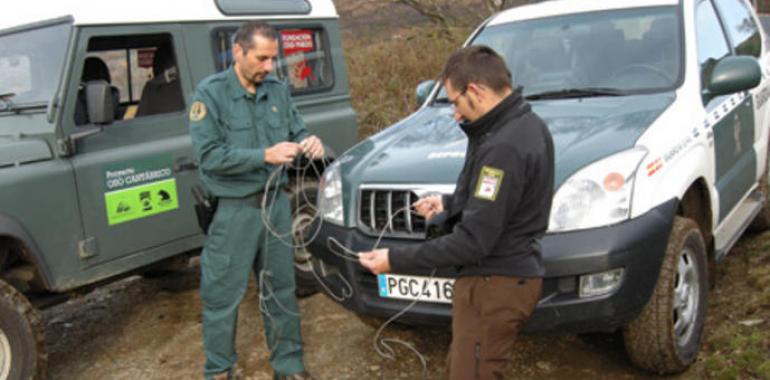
134	177
724	28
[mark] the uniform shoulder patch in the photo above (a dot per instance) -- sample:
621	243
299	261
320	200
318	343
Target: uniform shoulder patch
489	183
197	111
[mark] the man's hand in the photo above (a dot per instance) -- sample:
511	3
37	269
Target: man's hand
376	261
312	147
282	153
429	206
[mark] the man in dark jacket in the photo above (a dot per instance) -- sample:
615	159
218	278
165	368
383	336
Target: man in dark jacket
494	220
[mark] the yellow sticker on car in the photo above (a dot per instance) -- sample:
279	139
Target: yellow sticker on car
197	111
489	183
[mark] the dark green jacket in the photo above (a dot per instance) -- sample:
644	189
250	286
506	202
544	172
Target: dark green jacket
231	128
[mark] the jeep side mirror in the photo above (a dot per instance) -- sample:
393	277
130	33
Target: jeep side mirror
99	102
423	90
734	74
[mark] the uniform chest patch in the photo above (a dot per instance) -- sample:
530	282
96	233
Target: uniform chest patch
197	111
489	183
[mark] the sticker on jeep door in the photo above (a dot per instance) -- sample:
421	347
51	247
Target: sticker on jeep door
139	189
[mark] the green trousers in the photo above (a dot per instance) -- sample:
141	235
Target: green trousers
238	243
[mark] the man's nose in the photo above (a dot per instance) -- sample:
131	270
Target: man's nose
457	116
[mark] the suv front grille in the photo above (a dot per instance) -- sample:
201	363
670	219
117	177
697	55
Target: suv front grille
377	206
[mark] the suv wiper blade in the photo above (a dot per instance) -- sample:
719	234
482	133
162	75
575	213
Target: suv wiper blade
585	92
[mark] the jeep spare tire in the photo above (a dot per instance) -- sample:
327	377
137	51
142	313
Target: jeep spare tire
303	210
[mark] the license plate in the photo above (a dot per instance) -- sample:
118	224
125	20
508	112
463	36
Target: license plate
416	288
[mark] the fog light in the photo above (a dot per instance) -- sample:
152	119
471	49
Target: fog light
599	284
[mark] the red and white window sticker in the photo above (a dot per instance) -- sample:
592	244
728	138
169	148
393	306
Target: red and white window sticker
296	44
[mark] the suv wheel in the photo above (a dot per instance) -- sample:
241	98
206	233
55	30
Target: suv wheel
22	337
303	207
665	337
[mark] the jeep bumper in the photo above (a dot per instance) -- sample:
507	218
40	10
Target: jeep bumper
637	246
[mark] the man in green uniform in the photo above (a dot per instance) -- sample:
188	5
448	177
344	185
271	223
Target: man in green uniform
243	125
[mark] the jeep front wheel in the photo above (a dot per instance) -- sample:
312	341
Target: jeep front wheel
665	337
22	337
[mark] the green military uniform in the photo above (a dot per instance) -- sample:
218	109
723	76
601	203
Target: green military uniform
230	131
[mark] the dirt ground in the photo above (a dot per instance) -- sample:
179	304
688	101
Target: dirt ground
143	328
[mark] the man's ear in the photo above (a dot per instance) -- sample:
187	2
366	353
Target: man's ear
237	50
477	90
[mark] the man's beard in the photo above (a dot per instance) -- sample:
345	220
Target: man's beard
257	78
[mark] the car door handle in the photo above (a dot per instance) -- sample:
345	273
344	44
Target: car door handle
183	164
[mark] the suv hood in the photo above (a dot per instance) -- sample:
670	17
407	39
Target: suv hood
429	147
14	151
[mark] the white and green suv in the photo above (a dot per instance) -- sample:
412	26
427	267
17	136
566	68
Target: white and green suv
658	111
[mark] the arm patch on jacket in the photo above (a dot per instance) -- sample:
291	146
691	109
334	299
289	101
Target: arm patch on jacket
489	183
197	111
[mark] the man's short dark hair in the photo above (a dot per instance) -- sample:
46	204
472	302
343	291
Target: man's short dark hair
477	64
244	36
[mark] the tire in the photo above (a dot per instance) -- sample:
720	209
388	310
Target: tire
303	210
22	337
761	222
665	337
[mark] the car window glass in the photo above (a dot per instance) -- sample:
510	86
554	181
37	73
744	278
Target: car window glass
711	41
31	63
740	26
141	71
629	50
303	60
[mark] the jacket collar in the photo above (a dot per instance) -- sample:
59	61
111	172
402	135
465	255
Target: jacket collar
513	105
237	91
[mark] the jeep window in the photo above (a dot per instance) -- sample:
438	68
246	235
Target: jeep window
141	70
740	26
31	63
711	40
304	60
605	53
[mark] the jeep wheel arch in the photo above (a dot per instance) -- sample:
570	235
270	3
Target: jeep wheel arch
13	231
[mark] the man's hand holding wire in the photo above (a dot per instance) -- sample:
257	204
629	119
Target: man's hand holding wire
312	147
429	206
282	153
376	261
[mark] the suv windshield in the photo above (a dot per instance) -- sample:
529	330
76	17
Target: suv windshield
31	64
606	53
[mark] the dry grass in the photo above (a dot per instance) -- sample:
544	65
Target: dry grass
737	344
384	73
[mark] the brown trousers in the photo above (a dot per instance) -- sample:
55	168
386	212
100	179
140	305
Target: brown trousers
487	314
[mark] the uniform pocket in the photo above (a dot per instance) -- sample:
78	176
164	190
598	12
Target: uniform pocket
240	133
216	260
277	125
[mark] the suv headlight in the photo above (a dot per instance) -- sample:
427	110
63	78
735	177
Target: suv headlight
597	195
330	195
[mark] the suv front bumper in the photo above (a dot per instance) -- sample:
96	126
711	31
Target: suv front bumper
637	246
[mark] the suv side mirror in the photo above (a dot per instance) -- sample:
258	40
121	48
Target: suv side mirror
734	74
423	90
99	102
